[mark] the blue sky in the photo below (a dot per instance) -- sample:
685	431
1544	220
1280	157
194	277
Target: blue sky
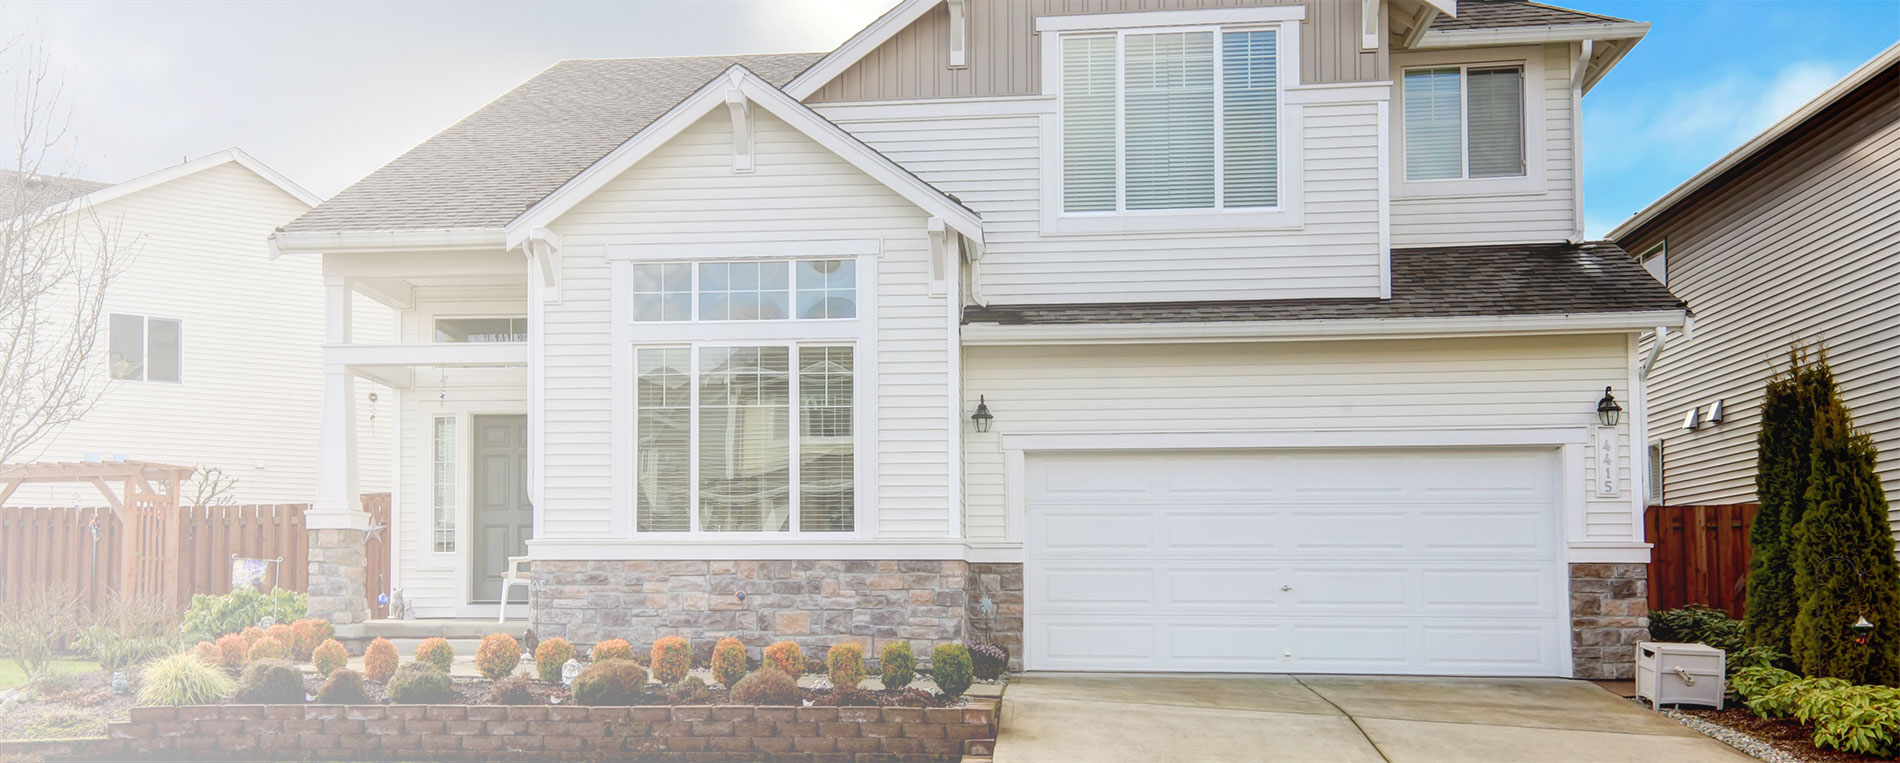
1710	75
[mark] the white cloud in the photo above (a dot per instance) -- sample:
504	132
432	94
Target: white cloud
1700	124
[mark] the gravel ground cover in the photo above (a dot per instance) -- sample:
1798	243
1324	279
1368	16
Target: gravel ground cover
1775	740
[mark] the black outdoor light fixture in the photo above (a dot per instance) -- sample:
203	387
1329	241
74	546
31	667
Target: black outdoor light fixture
1608	411
982	416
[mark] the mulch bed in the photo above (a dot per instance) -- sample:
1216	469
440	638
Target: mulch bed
1787	735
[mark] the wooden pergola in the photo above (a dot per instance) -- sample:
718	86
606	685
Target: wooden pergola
140	480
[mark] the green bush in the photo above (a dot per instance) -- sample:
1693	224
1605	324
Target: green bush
1856	719
183	679
614	682
691	691
209	616
512	690
420	683
766	686
436	651
1751	682
1755	657
728	661
1697	624
549	656
1780	700
950	668
844	665
988	661
343	687
270	682
614	649
1783	463
897	667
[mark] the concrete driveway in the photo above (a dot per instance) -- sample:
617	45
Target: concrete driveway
1157	718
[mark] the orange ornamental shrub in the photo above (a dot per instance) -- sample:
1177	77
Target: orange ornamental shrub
379	661
329	658
307	634
550	656
282	634
728	661
207	653
670	660
846	664
251	634
497	656
787	657
267	649
613	649
436	651
232	649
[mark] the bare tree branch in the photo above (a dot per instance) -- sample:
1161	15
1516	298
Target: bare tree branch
210	486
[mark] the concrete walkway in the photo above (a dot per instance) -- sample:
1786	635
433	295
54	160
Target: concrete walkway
1160	718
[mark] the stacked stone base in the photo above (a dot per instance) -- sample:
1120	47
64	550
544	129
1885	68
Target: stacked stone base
339	562
1609	614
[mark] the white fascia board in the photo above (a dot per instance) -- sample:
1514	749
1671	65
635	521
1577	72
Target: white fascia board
1532	35
1447	7
427	354
176	171
1325	329
860	45
713	95
1132	19
1774	132
321	242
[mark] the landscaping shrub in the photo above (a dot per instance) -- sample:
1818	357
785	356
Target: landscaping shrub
1695	624
330	657
497	656
691	691
36	626
614	682
209	617
549	656
1754	657
208	653
766	686
270	682
614	649
129	630
1780	700
183	679
308	634
1856	719
343	687
728	661
988	661
671	658
282	634
1751	682
232	651
379	660
421	683
896	665
914	697
251	635
436	651
950	668
844	664
267	649
787	657
512	690
1783	461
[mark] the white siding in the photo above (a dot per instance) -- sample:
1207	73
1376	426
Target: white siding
251	396
686	193
988	157
1422	385
434	584
1499	218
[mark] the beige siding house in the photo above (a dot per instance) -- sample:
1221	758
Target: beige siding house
1791	238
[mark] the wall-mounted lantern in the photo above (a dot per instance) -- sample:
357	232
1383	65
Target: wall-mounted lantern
1608	411
981	418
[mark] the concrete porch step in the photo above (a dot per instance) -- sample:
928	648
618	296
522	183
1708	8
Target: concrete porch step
463	634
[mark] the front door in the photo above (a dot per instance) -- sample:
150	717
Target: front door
504	520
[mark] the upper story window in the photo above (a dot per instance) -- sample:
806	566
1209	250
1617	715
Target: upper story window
1464	122
481	329
1170	119
768	290
145	349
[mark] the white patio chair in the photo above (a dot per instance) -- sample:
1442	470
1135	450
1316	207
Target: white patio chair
513	576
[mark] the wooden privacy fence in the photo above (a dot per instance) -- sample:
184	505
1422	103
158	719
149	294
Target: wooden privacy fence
1700	557
174	554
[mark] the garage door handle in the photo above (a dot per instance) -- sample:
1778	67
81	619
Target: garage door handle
1286	588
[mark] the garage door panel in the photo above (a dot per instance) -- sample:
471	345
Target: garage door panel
1336	532
1526	589
1096	478
1250	531
1213	646
1454	648
1517	530
1239	589
1098	532
1085	588
1357	589
1099	642
1350	647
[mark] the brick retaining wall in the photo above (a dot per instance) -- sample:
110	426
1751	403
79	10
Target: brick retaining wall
493	732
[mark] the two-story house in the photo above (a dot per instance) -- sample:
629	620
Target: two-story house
1197	335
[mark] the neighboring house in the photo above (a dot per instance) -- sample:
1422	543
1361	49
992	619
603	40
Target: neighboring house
210	350
1791	238
1214	336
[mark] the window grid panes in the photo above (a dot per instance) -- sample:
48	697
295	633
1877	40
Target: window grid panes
826	482
745	439
663	450
827	289
444	484
744	291
663	291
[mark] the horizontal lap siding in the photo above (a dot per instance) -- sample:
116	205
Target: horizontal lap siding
1804	247
1501	219
432	583
686	193
991	163
1542	382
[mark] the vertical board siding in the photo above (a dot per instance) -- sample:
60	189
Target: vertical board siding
991	162
1500	218
1502	383
686	193
1700	557
1804	246
1004	57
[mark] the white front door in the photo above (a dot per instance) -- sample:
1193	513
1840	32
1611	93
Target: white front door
1427	561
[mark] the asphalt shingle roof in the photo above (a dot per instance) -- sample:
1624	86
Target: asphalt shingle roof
487	169
40	191
1437	282
1501	14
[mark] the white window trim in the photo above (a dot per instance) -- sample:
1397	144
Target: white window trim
145	347
451	316
629	336
1535	139
1284	20
418	324
1659	251
460	479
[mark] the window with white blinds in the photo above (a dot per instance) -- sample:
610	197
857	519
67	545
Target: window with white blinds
1182	119
1464	122
746	439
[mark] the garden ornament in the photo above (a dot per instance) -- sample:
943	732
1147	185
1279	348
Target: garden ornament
569	671
120	685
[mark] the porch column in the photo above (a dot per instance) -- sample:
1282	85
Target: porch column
338	527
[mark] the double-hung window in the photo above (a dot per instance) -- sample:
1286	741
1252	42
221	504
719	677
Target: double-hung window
141	348
1464	122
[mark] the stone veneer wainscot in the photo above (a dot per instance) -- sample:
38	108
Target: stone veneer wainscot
1609	613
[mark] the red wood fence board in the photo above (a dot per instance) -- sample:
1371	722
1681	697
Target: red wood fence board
1700	556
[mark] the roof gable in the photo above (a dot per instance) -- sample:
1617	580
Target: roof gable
74	193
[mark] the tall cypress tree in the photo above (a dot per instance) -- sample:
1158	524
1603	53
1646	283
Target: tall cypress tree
1783	462
1844	558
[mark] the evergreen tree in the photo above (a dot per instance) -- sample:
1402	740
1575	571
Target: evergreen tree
1844	557
1783	462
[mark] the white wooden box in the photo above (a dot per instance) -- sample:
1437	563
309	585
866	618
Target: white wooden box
1681	674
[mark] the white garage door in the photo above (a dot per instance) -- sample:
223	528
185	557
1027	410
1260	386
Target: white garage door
1433	562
